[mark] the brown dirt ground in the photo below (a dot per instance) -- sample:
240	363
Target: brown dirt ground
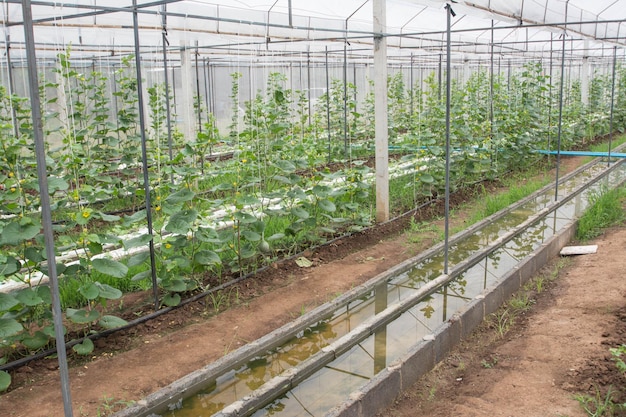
582	319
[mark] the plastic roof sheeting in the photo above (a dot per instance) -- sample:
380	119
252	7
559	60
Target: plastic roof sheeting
232	28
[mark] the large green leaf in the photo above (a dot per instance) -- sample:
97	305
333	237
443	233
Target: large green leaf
138	259
207	257
108	292
9	327
9	266
251	236
180	196
141	275
112	322
175	285
29	297
300	212
327	205
36	341
84	348
7	301
82	316
57	184
171	300
135	217
182	221
5	380
138	241
89	291
110	267
18	231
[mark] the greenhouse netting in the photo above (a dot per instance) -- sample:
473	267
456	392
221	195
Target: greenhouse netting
167	146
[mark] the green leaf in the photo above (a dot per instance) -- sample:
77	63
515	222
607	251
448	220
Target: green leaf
110	267
34	254
427	178
9	266
7	301
112	322
251	236
108	217
138	259
82	316
108	292
141	275
275	236
89	291
135	217
95	248
16	232
84	348
285	166
300	212
57	184
175	285
5	381
182	221
138	241
36	341
327	205
180	196
207	257
171	300
28	297
9	327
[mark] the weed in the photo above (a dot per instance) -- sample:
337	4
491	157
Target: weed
502	321
489	364
598	405
521	302
606	210
110	406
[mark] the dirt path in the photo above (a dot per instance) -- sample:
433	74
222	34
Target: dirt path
559	348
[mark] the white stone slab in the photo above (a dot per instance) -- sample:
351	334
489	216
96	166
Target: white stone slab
579	250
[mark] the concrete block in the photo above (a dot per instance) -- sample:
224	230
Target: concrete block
510	283
493	299
419	360
527	269
381	391
349	408
472	316
446	338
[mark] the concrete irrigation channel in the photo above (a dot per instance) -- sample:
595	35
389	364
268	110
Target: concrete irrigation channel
352	356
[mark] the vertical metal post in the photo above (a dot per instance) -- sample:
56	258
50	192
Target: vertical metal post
560	127
612	104
46	216
412	93
327	104
345	95
439	76
449	13
16	129
550	97
144	156
167	83
491	77
380	110
308	83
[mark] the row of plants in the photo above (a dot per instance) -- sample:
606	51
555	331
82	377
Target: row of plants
277	195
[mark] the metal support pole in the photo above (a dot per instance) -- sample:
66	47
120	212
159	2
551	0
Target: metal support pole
327	104
494	148
380	110
612	104
560	127
144	156
46	216
345	95
308	83
198	100
412	93
167	84
439	76
449	13
16	129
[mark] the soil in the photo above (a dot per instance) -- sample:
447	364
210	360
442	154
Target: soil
558	348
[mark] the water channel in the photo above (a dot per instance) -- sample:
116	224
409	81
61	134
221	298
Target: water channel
334	382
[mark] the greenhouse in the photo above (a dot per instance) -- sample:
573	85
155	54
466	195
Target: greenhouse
166	163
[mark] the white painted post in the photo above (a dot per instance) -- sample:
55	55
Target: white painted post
186	93
380	111
584	77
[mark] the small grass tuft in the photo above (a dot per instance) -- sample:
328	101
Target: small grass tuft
605	210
